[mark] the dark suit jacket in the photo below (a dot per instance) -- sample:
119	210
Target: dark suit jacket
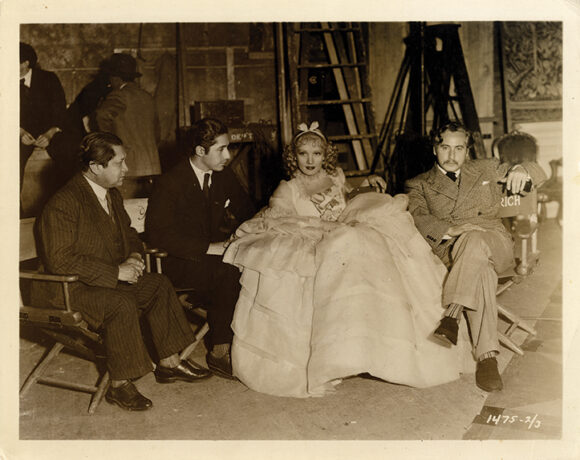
75	236
45	105
182	222
436	202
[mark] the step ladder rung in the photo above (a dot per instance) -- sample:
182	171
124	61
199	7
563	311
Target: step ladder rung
347	137
319	29
335	101
324	66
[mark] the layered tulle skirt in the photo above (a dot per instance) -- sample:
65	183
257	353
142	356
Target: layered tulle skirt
325	300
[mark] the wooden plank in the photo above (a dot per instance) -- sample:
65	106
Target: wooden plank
183	96
283	103
293	46
366	91
334	101
354	76
342	91
231	76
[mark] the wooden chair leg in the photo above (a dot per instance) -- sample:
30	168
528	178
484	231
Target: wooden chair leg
515	320
503	287
39	370
507	342
198	337
98	396
523	268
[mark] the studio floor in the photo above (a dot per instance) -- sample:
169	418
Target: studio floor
529	407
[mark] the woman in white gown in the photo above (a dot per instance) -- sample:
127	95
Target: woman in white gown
331	289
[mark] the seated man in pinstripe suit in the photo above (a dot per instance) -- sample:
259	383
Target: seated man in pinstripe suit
455	206
85	230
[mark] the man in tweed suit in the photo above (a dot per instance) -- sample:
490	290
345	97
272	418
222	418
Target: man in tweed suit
85	230
455	207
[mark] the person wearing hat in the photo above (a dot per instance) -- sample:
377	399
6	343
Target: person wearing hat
129	112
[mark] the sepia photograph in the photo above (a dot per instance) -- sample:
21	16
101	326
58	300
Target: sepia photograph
290	226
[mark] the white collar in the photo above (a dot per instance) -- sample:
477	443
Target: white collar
199	173
27	78
445	172
99	190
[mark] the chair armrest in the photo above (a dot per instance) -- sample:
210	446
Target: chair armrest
53	317
158	254
62	279
35	275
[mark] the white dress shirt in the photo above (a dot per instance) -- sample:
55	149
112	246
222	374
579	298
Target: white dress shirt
199	173
101	193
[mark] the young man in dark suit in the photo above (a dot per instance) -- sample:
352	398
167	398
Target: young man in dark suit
193	210
85	230
455	206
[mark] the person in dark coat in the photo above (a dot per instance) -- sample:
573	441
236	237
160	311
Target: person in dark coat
42	106
193	210
85	230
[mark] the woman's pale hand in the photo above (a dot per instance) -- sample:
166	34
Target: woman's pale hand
378	183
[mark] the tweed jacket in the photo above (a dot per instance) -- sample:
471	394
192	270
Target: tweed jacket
181	221
437	202
130	113
45	105
75	236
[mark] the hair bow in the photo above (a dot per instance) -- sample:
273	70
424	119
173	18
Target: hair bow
303	128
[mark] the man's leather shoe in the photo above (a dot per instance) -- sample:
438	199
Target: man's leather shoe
487	376
127	397
221	367
185	371
447	330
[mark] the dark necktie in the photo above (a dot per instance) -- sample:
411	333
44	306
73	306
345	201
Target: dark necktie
451	175
206	177
110	206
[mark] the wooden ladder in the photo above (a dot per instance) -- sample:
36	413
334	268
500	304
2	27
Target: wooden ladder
340	53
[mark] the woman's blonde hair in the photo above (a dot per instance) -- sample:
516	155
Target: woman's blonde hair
290	159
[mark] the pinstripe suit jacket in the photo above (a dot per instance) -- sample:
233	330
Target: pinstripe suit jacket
75	236
436	202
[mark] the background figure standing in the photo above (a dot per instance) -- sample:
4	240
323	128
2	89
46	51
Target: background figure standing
42	107
455	206
129	112
80	121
